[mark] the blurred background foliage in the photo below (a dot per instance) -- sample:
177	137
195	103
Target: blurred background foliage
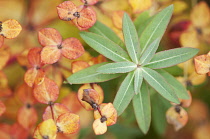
34	15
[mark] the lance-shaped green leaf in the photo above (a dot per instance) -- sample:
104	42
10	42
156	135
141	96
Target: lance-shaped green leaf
159	84
101	29
141	19
179	89
104	46
138	78
119	67
131	38
142	108
149	52
89	75
171	57
124	94
156	27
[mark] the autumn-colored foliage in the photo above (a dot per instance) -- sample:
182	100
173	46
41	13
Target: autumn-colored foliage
115	51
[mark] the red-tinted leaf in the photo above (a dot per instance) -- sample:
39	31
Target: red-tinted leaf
34	57
1	41
34	76
50	54
46	130
2	108
66	10
78	65
46	92
27	116
86	19
68	123
10	29
57	108
72	48
49	36
22	58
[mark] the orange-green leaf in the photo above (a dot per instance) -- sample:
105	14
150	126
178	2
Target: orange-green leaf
57	108
72	48
50	54
34	76
68	123
66	10
140	5
34	57
87	18
49	36
46	92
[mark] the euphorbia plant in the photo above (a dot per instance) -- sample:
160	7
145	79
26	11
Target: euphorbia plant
136	57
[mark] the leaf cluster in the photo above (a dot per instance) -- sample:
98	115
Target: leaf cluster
137	58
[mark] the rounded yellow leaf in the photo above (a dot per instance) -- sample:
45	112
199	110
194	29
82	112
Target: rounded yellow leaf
46	130
10	28
189	39
99	127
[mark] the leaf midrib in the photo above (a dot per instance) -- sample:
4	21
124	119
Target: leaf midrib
109	49
153	33
157	61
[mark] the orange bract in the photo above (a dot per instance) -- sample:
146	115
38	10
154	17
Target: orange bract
57	108
46	130
68	123
83	17
96	93
46	92
49	36
66	10
50	54
72	48
86	19
34	75
34	57
27	116
10	29
177	116
202	63
78	65
108	111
